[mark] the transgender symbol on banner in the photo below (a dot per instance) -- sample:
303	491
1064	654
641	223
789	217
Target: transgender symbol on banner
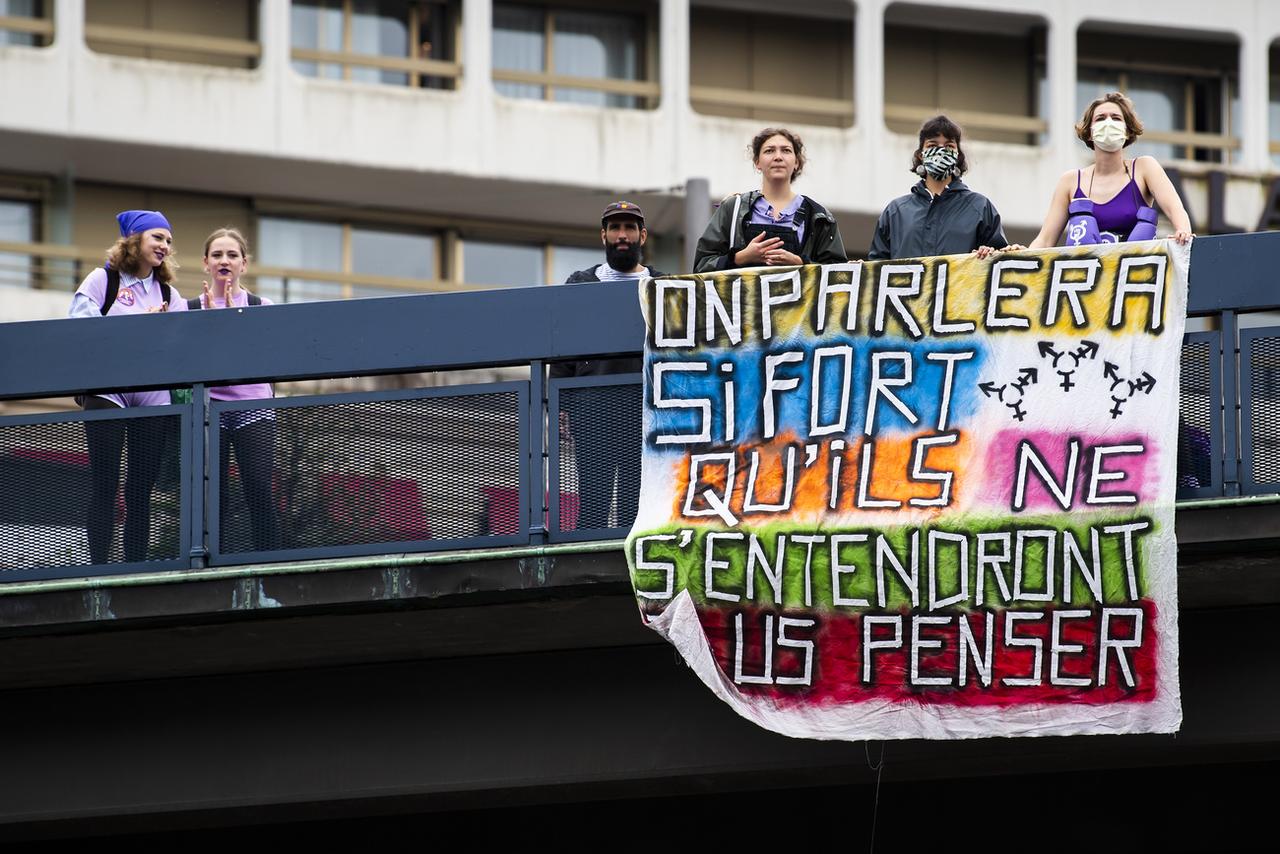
919	499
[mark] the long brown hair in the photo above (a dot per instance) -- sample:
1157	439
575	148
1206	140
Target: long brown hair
126	256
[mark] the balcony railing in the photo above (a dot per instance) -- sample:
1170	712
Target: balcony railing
26	24
52	266
194	47
523	461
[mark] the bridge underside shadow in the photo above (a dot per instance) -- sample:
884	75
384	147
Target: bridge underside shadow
596	715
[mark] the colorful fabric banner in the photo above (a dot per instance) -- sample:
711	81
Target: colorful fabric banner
920	499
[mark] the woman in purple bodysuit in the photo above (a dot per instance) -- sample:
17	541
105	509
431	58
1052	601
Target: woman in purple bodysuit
1110	125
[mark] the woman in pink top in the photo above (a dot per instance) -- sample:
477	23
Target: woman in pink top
135	280
251	432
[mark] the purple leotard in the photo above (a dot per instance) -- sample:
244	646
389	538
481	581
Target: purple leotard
1117	216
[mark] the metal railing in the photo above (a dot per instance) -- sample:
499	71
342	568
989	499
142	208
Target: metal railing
524	461
413	66
26	25
53	266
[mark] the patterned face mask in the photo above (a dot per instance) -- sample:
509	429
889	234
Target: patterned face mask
938	162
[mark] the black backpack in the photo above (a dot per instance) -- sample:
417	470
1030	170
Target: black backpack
113	288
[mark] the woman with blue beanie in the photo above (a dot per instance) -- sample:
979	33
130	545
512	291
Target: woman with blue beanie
135	280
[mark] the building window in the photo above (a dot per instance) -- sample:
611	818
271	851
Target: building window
393	254
938	63
222	34
503	265
577	55
25	22
300	259
571	259
1185	91
17	225
360	260
1178	111
488	263
395	42
780	68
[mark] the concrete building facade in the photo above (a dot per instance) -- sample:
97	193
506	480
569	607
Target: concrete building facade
391	147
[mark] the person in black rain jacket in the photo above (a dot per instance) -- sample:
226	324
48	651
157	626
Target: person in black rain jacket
941	215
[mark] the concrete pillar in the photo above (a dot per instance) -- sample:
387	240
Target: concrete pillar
673	54
477	49
68	44
1255	152
868	67
274	36
697	210
479	98
273	65
1060	66
674	111
68	24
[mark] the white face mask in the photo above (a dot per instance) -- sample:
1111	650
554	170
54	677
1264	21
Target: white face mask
1109	134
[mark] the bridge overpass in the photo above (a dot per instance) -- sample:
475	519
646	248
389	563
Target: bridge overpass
437	643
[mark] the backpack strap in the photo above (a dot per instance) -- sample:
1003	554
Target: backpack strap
805	214
254	299
165	293
733	223
113	288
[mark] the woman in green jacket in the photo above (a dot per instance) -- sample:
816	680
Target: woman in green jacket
772	226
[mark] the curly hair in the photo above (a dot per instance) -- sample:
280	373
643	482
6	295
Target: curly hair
758	141
1132	124
947	129
126	255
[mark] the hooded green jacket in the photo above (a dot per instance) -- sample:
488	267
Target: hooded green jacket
724	234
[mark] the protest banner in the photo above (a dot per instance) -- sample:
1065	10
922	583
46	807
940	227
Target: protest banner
919	499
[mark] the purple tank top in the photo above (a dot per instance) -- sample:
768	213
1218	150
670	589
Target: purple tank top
1117	217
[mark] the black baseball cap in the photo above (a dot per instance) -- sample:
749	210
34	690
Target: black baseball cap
622	209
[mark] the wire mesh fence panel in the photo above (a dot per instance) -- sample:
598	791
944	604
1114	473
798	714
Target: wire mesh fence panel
442	468
601	438
1197	408
1263	396
90	492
